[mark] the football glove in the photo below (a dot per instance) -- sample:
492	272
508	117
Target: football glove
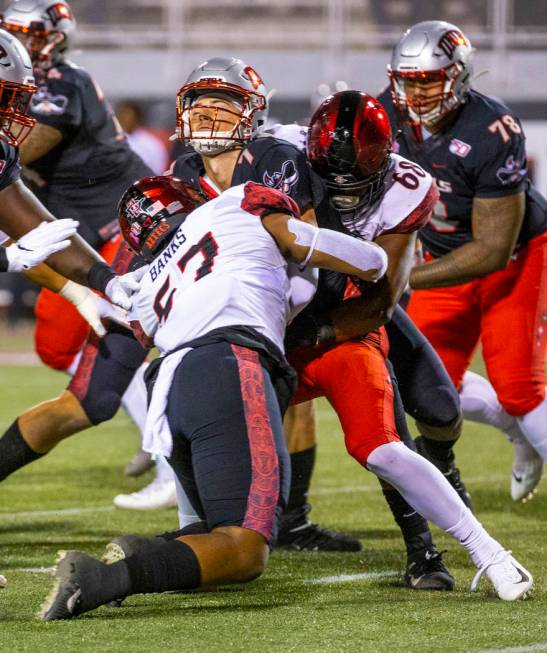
120	289
39	243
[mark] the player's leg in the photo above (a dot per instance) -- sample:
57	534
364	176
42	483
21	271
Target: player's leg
428	395
355	380
241	467
514	339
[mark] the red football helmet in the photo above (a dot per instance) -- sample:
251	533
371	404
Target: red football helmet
152	209
349	141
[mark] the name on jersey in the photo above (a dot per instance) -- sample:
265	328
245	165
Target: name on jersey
164	258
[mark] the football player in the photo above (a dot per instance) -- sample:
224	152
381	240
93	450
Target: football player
215	301
79	164
485	248
222	109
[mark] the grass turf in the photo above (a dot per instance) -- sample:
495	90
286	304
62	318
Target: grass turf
285	610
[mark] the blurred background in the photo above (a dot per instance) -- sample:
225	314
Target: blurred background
140	52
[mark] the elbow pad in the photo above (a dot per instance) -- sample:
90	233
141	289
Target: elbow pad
361	254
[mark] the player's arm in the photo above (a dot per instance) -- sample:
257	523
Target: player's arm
306	244
496	223
39	142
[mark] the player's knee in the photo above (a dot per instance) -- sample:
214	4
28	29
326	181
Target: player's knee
520	398
55	359
248	553
449	432
101	406
360	449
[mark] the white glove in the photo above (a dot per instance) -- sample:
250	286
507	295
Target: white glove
120	289
39	243
92	307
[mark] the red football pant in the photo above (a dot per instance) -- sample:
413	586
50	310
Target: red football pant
354	378
507	312
60	331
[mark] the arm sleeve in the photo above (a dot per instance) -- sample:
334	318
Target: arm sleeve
501	165
286	169
58	105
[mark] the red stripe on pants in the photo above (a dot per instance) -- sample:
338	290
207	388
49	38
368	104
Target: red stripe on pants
263	497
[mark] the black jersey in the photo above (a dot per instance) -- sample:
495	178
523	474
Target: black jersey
84	176
481	154
10	170
266	160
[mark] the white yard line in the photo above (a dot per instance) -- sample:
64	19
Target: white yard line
55	513
35	570
515	649
351	578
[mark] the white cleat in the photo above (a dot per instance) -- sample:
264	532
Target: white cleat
509	578
3	581
158	494
527	471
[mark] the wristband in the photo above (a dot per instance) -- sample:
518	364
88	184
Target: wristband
99	275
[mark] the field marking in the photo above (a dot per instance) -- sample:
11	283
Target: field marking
350	578
35	570
515	649
55	513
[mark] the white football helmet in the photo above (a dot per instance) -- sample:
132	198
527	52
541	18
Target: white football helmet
16	89
45	27
230	78
428	52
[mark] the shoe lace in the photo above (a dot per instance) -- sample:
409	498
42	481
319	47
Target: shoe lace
496	558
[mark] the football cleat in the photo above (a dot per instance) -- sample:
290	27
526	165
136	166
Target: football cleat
3	581
127	545
156	495
425	570
448	469
64	601
527	471
509	578
140	463
296	532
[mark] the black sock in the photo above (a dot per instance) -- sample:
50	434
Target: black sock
440	450
302	464
414	527
170	566
104	583
14	452
196	528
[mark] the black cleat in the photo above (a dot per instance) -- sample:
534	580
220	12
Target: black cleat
65	599
296	532
425	570
448	469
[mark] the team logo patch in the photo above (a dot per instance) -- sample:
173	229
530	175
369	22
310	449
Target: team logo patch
459	148
48	104
134	207
283	180
512	171
449	41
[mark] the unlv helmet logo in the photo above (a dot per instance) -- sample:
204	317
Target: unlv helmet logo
449	41
283	180
58	12
253	77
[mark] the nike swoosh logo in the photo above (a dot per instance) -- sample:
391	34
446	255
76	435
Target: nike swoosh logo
518	479
523	577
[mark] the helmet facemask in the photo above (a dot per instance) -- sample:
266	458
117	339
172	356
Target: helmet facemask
443	102
227	124
348	194
41	44
15	123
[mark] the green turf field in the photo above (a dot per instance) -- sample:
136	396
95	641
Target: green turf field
64	501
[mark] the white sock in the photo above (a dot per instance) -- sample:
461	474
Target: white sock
135	398
430	494
164	471
187	514
480	404
534	427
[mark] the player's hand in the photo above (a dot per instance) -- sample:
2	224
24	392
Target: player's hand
93	308
120	289
43	241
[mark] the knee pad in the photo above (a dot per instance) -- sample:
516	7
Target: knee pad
444	433
520	398
105	370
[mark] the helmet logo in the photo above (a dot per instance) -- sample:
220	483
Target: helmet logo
134	206
449	41
253	77
59	12
157	234
283	180
4	55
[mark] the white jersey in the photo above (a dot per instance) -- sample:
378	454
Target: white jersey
406	204
222	268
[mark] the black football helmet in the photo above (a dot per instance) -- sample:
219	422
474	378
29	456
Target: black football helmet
152	209
349	141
